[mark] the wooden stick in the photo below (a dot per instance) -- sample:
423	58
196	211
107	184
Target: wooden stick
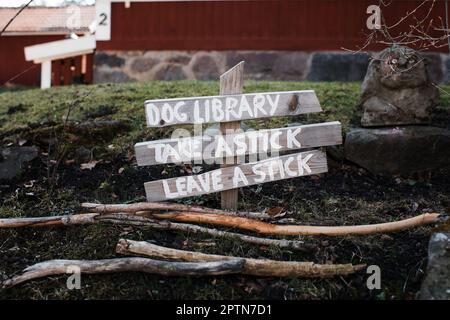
83	218
231	82
268	228
58	267
255	267
234	222
125	218
148	206
190	228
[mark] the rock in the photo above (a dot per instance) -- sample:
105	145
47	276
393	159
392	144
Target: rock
168	71
143	64
107	76
179	58
13	159
447	71
258	65
110	60
291	66
434	65
205	67
436	285
397	89
398	150
330	66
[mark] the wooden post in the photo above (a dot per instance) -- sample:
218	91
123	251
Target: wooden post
46	74
231	82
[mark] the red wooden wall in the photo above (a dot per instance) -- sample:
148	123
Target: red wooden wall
14	68
224	25
69	71
249	25
12	59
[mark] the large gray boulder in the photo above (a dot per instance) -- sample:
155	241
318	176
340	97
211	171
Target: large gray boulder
436	285
398	150
13	159
397	89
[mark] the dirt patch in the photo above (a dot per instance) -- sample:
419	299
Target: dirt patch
346	195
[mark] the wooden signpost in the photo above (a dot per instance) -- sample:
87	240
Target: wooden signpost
246	158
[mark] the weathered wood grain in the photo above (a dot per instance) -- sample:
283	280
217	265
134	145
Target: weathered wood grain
208	109
255	267
231	82
284	167
191	148
166	268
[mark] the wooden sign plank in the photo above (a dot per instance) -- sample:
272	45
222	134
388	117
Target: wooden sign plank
273	169
231	82
213	148
198	110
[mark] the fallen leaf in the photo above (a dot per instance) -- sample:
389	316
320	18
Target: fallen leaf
29	184
275	211
89	165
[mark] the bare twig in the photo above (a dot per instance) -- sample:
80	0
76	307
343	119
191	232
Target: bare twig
62	153
419	30
14	17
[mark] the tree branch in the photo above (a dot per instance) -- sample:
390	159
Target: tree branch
125	218
254	267
59	267
146	206
291	230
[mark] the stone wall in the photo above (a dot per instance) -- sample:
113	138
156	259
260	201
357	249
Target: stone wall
127	66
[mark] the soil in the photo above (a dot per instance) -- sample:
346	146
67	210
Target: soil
345	195
55	184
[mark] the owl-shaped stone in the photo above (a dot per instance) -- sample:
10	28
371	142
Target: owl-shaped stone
397	89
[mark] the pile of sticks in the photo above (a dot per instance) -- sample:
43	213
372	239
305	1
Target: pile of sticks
178	217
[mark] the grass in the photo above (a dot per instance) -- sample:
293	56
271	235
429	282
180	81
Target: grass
125	101
343	196
22	108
